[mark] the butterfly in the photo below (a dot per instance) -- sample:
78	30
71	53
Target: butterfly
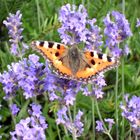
72	63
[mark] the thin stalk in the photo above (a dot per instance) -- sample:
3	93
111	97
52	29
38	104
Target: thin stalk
38	14
100	117
58	131
93	117
13	118
74	110
129	134
66	131
116	104
123	6
10	102
73	131
123	87
122	135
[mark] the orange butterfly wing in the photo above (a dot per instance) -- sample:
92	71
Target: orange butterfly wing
53	52
98	63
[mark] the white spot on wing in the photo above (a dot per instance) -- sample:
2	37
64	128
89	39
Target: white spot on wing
113	59
46	44
37	43
104	57
95	54
55	45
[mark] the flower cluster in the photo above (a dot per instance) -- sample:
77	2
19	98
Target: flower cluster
27	74
75	126
13	23
75	28
131	111
100	127
62	90
116	29
96	91
32	127
14	109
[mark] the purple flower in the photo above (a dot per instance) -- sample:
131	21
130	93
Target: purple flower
75	126
32	127
110	122
73	21
126	50
131	111
27	75
36	110
93	36
99	126
75	29
14	109
138	22
13	24
67	88
96	91
116	30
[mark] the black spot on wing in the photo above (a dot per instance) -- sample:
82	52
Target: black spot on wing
91	54
100	56
57	54
109	59
50	44
58	46
41	44
92	62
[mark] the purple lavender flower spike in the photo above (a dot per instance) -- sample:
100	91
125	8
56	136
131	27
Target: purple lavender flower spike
116	30
93	36
74	27
14	109
99	126
32	127
130	110
13	24
74	127
110	122
96	91
27	74
73	21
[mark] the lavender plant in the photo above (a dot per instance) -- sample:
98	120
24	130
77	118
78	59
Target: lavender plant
13	24
131	111
33	127
33	78
117	29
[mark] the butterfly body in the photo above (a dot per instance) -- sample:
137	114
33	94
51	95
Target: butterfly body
72	63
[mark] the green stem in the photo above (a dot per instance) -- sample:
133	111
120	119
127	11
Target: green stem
66	132
100	117
13	117
116	104
123	6
123	87
73	131
122	135
38	14
93	117
58	132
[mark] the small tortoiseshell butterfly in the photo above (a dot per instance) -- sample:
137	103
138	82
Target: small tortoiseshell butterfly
72	63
